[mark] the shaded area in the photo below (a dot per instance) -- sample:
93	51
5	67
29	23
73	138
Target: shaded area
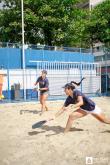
106	131
34	133
55	129
29	111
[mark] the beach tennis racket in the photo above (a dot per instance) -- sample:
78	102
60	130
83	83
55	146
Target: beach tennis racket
42	122
35	89
39	124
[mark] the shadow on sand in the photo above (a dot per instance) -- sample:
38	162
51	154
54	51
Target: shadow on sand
107	131
34	133
29	111
56	129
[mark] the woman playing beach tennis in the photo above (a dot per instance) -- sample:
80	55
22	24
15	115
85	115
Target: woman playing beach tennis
82	105
44	88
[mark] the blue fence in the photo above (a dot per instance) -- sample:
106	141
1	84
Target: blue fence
11	58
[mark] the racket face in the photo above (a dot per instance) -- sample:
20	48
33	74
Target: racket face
38	124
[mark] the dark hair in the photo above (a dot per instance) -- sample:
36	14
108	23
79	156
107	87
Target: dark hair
73	82
44	71
69	86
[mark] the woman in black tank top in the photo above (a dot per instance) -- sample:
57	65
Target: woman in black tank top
81	106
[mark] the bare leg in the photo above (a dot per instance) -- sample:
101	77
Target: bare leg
43	99
101	117
75	115
46	108
41	104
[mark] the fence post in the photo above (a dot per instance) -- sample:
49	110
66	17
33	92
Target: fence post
8	74
81	67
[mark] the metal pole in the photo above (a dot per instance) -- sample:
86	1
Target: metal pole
90	5
8	80
23	51
106	71
81	67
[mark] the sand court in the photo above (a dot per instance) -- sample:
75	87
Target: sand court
48	145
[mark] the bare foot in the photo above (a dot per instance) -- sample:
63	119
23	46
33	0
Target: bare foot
41	113
46	108
66	131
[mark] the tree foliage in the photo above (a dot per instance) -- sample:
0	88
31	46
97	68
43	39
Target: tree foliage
55	22
46	21
90	27
100	22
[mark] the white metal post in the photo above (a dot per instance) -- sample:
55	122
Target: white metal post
23	51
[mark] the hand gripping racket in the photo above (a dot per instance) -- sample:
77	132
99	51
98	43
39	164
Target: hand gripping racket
42	122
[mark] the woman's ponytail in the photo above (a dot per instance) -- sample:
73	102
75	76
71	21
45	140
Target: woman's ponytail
73	82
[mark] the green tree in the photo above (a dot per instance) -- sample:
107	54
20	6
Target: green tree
10	24
77	34
90	27
100	18
46	22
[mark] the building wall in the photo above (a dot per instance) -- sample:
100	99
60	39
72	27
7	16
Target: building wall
95	2
12	57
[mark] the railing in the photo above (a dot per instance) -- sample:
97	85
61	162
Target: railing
44	47
59	73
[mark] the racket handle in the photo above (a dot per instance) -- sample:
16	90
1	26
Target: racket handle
51	119
35	89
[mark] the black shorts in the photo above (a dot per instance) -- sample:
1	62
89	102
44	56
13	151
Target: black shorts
44	92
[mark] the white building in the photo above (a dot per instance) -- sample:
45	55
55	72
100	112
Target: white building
93	3
102	55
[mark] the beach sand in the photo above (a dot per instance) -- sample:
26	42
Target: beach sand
48	145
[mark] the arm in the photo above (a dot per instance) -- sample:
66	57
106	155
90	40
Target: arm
42	89
35	83
73	106
60	112
63	109
79	102
57	114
